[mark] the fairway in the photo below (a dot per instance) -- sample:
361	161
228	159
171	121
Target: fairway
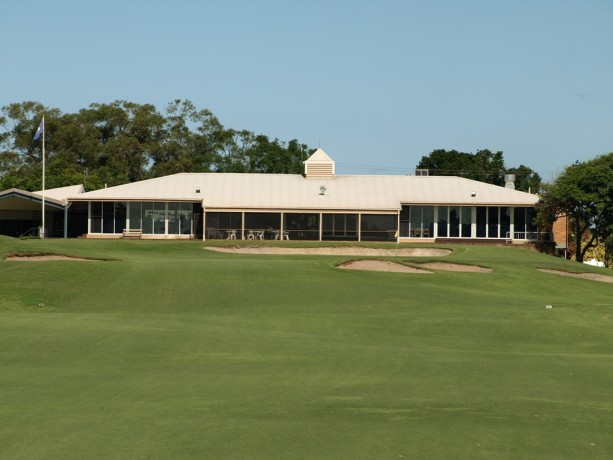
162	350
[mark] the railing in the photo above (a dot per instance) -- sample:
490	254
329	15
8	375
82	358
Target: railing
34	231
532	237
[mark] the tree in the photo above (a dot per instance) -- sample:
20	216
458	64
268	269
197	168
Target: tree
526	180
484	166
127	134
583	193
182	149
120	142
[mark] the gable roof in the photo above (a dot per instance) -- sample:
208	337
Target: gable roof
319	155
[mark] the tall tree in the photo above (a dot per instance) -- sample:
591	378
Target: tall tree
583	193
484	166
120	142
127	134
191	143
19	153
526	179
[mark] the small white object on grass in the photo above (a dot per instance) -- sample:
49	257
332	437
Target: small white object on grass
548	306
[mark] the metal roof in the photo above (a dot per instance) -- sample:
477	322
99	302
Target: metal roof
61	193
15	198
294	191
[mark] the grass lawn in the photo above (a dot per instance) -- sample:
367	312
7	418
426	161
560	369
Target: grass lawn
165	350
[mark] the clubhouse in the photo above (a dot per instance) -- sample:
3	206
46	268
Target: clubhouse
318	205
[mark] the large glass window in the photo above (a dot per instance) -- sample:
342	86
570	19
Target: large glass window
120	216
378	227
96	217
108	217
530	224
427	223
519	222
340	227
179	218
454	221
265	225
417	221
147	217
505	221
150	217
405	221
481	222
442	221
466	218
301	226
492	222
136	218
159	218
523	222
223	225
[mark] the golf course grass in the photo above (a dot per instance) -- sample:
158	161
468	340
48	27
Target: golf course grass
162	350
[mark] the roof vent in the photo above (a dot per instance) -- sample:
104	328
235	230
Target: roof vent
509	181
422	172
319	165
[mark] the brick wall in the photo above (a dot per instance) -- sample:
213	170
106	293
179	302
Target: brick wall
560	230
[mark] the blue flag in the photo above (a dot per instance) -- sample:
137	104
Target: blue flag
40	130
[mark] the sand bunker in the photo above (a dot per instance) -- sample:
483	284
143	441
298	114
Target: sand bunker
42	257
380	266
335	251
455	267
585	276
388	266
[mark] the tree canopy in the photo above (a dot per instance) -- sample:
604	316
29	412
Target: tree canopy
583	193
484	166
124	142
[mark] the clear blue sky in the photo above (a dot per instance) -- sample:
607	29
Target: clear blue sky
377	85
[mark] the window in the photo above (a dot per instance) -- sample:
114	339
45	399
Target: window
136	218
481	222
505	221
96	217
454	221
378	227
220	225
301	226
466	218
340	227
108	217
492	222
417	221
442	220
120	216
179	218
147	217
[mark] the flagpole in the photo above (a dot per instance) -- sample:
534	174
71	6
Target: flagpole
43	210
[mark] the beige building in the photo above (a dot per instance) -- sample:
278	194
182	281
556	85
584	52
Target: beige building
319	205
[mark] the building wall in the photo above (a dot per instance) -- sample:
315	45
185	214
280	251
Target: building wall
560	231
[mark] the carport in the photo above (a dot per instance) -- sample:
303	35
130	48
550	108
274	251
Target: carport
21	212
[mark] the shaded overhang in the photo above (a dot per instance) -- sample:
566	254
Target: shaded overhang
20	200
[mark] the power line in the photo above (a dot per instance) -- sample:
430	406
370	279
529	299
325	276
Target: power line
445	172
